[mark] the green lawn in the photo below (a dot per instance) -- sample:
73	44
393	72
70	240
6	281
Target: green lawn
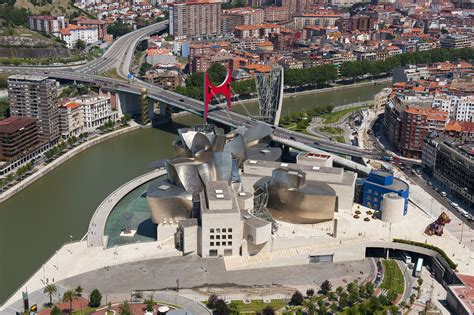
333	117
258	305
332	130
84	311
112	73
340	139
393	277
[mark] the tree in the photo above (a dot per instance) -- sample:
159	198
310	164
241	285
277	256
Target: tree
392	296
344	300
332	296
310	307
51	290
326	286
118	29
268	310
150	304
80	44
369	288
322	310
78	290
68	296
144	68
419	281
211	301
310	292
297	298
95	298
221	307
125	308
339	290
55	311
217	73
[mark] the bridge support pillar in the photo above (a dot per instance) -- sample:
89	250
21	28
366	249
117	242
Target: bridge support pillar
161	113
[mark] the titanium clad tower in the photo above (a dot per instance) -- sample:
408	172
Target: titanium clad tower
36	96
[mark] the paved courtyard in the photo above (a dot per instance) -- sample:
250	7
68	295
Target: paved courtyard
194	272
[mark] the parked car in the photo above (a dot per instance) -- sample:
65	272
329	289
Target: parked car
443	194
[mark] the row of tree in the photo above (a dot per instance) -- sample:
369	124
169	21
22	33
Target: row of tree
355	69
13	15
316	76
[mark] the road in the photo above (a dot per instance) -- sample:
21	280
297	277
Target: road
120	56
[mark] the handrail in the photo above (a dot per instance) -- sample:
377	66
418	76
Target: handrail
159	172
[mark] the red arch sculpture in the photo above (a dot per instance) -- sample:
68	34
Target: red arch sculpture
210	90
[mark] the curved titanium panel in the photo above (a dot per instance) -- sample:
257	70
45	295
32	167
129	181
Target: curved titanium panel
170	203
200	143
236	146
215	166
183	173
180	150
257	132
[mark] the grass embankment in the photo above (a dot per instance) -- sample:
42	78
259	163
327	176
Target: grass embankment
257	306
112	73
334	117
393	277
332	130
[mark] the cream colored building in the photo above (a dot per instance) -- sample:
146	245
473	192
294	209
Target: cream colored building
381	99
71	119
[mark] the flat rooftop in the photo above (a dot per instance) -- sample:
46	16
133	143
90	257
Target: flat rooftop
25	77
465	293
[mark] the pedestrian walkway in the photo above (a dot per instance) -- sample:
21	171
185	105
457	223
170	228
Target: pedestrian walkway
239	262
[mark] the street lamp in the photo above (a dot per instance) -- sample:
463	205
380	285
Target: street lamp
70	237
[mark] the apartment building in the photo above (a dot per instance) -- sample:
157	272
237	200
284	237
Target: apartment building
36	96
18	135
100	25
381	99
48	24
416	124
454	168
97	111
256	31
276	14
325	19
241	16
455	41
71	119
73	33
195	18
460	108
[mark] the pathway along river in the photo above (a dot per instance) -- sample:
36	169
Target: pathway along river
35	222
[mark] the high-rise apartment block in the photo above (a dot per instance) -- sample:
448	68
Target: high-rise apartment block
18	135
36	96
195	18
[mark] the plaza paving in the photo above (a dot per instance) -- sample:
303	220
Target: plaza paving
194	272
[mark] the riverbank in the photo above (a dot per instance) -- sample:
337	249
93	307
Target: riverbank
316	91
63	158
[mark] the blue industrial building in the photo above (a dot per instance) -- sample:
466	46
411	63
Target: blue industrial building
379	183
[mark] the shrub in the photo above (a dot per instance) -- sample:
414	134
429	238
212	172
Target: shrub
366	219
297	298
369	212
356	216
95	298
357	212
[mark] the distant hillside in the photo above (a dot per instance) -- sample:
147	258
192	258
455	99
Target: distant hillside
49	7
20	42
